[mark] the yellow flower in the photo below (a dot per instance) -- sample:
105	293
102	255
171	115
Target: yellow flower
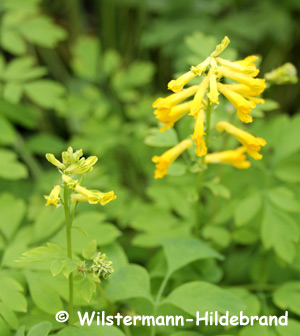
94	197
163	162
69	181
53	198
178	84
197	103
256	84
242	105
245	66
52	159
175	98
69	157
213	94
250	142
199	133
172	115
220	47
235	157
72	164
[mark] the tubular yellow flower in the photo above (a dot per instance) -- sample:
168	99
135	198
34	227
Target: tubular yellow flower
256	84
178	84
242	105
175	98
163	162
197	103
92	196
250	142
235	157
52	159
199	133
220	47
53	198
200	68
213	94
245	66
82	166
175	113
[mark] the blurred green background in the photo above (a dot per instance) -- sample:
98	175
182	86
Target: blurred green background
85	73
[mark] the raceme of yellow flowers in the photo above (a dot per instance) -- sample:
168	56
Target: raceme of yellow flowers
74	164
194	101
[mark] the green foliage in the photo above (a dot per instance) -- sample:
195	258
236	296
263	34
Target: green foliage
86	75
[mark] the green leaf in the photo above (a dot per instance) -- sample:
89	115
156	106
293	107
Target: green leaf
45	92
50	252
70	266
177	169
10	168
91	331
287	297
57	266
130	281
22	115
12	212
247	208
20	331
44	296
86	287
186	333
292	329
288	170
12	296
202	296
284	199
86	58
41	329
13	42
219	235
41	31
9	316
23	69
7	132
250	300
155	238
181	252
91	251
255	330
218	189
12	92
156	138
280	232
48	220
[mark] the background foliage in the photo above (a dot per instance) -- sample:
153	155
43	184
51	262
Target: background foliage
85	73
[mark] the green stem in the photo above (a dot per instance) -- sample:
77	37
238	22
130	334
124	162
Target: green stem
69	248
158	298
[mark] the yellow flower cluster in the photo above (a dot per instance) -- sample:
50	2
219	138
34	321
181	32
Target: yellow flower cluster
195	100
73	163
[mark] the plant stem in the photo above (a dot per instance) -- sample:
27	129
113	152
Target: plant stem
158	298
69	248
